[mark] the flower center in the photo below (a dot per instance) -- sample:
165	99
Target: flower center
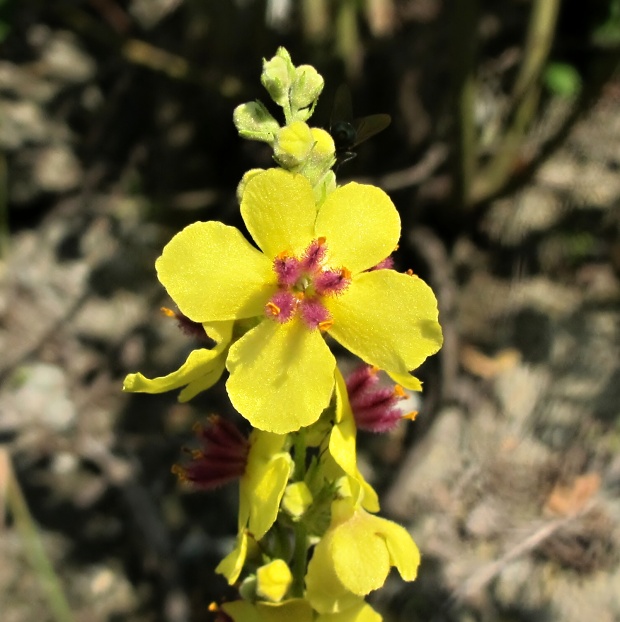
302	284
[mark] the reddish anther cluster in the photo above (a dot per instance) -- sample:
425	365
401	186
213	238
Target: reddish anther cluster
302	282
221	459
374	408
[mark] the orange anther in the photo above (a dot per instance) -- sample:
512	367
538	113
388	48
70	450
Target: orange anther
411	416
168	312
321	241
399	392
273	308
325	325
410	272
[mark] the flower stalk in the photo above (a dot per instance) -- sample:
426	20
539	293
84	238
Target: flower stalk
263	312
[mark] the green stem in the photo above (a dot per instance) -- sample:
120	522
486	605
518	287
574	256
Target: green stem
300	555
300	455
526	92
464	29
300	551
35	551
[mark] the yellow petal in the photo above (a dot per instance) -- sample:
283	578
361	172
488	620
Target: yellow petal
359	612
404	553
361	559
201	371
324	590
406	380
388	319
264	482
220	332
361	226
278	209
281	376
342	446
232	565
213	273
244	611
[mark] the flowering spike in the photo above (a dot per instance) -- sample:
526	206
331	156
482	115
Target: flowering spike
320	261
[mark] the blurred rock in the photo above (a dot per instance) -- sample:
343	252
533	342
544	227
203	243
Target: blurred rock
56	169
63	59
533	210
38	397
23	123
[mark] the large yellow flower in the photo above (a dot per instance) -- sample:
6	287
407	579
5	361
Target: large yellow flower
312	277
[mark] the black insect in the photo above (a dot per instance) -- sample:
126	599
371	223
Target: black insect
348	132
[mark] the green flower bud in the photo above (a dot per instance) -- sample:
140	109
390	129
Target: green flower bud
253	121
320	158
293	144
305	91
278	76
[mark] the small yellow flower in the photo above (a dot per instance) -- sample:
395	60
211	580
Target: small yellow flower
312	276
298	610
342	447
260	492
295	609
264	482
354	557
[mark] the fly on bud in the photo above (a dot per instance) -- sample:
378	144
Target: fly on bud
348	132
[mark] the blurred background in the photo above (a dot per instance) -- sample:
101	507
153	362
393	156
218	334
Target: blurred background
503	158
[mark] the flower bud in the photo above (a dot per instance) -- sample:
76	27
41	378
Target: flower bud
278	76
305	90
293	145
296	500
321	157
273	580
253	121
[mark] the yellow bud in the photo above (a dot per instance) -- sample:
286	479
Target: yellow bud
293	145
297	499
273	580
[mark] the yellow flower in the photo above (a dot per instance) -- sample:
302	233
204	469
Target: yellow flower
342	447
202	369
311	277
264	482
354	557
244	611
298	610
261	489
